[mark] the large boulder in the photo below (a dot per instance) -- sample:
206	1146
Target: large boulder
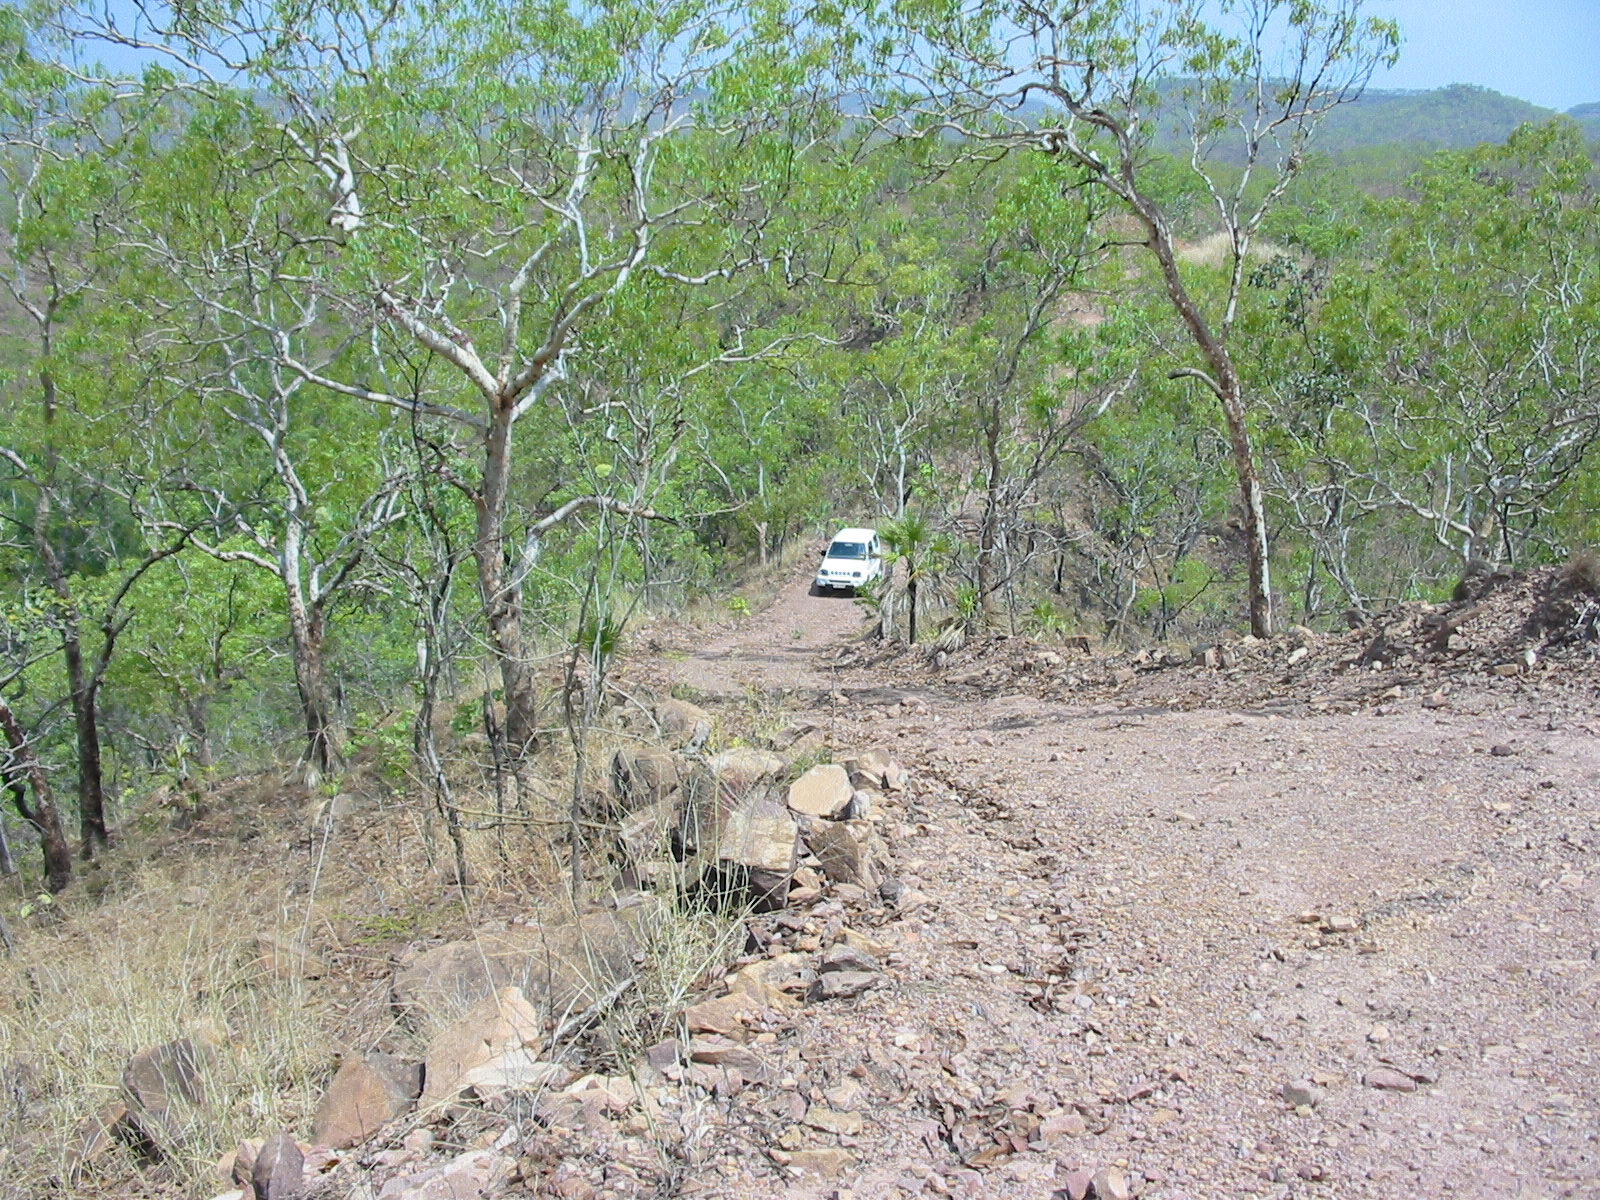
560	966
366	1094
493	1027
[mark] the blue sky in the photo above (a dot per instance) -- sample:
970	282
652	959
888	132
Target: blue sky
1547	51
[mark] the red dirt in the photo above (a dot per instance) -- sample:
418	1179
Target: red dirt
1122	877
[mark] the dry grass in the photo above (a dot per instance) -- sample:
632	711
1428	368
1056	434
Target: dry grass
163	946
94	986
1581	575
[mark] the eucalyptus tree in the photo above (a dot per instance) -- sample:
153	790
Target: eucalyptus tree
1096	83
494	175
86	434
1464	339
996	356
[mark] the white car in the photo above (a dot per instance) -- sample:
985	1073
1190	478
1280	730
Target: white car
852	559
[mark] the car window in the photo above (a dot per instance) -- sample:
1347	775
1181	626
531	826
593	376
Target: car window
847	550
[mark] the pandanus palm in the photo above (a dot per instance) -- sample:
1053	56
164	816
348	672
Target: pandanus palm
910	540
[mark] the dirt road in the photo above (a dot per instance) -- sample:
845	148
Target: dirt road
1142	924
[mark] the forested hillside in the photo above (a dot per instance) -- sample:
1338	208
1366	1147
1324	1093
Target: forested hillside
333	383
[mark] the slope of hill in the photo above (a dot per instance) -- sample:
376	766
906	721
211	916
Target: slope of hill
1587	115
1445	118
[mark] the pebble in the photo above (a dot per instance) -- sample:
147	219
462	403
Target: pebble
1302	1092
1389	1081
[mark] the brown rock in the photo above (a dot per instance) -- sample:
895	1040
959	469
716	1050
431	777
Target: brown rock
843	858
1389	1081
838	985
683	723
829	1163
496	1024
475	1175
565	966
364	1096
279	1169
823	791
158	1082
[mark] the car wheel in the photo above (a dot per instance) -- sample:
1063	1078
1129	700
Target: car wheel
816	589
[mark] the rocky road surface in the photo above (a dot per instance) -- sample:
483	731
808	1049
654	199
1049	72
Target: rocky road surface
1141	924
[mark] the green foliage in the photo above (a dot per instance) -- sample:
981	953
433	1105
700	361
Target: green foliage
755	319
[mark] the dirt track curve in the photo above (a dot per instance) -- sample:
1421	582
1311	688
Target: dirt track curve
1143	923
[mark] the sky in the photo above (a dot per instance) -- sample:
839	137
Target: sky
1546	51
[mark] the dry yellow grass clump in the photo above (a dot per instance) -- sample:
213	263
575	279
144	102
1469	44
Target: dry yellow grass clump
93	985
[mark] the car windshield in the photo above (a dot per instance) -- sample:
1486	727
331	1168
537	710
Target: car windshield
847	550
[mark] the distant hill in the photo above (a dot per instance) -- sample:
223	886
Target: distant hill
1587	115
1445	118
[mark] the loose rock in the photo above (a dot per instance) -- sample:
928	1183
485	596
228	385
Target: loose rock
1389	1081
365	1095
476	1175
823	791
493	1026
